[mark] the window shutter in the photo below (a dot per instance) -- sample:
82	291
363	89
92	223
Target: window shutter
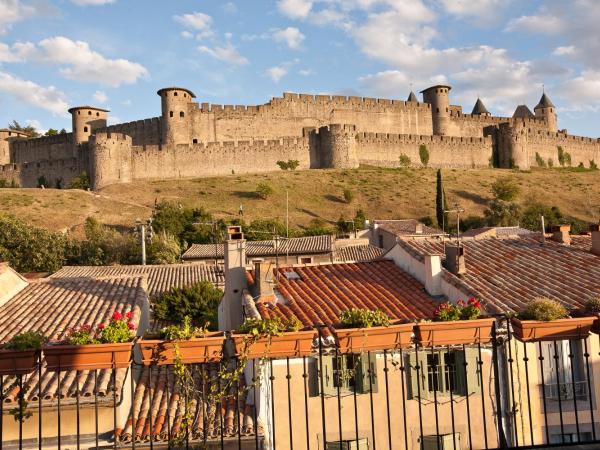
362	374
327	373
411	372
472	356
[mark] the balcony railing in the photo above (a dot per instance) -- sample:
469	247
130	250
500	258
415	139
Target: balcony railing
438	397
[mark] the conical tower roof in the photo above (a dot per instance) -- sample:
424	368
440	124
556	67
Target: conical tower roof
479	108
523	112
412	97
544	102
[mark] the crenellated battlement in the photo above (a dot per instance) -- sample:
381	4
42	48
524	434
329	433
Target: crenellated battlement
110	136
418	138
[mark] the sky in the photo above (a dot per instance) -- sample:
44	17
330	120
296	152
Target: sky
116	54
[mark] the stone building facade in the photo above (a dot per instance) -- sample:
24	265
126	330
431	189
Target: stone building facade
193	139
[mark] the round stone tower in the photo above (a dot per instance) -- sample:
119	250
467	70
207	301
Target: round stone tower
545	109
338	147
176	117
437	97
86	119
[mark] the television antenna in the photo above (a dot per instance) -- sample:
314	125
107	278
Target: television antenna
458	210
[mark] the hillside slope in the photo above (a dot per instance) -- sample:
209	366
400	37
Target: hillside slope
381	193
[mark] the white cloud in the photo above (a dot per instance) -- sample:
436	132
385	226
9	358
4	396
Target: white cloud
564	50
186	34
306	72
291	36
100	97
388	83
195	20
226	53
48	98
543	23
79	62
486	10
295	9
6	54
14	11
276	73
583	92
92	2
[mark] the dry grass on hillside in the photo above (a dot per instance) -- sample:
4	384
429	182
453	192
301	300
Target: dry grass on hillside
382	193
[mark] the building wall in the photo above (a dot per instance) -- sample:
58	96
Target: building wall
55	147
58	172
110	159
147	131
382	149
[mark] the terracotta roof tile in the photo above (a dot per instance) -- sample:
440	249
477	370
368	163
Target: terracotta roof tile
357	253
161	278
292	246
320	293
406	227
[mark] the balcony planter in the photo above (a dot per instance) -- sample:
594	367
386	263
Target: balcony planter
456	332
596	324
289	344
18	362
88	357
358	340
554	330
196	350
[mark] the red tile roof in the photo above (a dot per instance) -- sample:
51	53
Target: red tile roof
506	273
406	227
320	293
52	306
357	253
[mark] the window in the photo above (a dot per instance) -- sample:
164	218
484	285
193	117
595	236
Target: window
305	260
85	129
570	437
170	113
437	109
381	241
195	141
174	94
181	114
78	113
441	372
569	380
349	372
361	444
97	114
446	442
89	113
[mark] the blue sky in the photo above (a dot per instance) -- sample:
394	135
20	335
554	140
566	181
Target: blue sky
116	53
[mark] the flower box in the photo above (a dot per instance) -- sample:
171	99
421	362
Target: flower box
358	340
290	344
596	324
88	357
18	362
454	332
197	350
554	330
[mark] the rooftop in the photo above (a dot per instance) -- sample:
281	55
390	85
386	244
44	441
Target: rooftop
357	253
318	294
523	112
496	232
479	107
406	227
53	305
506	273
292	246
160	278
544	102
75	108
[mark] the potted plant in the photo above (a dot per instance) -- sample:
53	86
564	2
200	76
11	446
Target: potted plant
363	330
185	343
455	324
545	319
592	308
275	338
107	346
20	354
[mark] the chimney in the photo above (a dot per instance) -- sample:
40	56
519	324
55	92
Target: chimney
263	277
455	259
230	309
595	230
419	228
560	233
433	275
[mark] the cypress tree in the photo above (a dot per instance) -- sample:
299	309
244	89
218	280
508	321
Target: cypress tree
440	199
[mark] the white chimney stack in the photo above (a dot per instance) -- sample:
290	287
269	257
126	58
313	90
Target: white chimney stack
595	230
231	310
560	233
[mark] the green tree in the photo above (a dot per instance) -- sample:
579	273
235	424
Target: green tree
424	154
561	156
42	182
164	249
404	160
188	225
440	200
200	302
348	195
501	213
29	129
318	227
293	164
51	132
264	229
80	182
505	189
264	190
530	218
283	165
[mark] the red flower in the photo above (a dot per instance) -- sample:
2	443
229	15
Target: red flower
129	315
131	326
101	326
117	315
460	303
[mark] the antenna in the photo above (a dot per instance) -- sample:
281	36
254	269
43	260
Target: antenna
457	209
543	230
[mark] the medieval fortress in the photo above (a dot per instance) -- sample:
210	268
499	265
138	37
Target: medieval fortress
199	140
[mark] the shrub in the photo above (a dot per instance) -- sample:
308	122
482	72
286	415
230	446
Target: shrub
593	165
550	163
182	332
502	214
42	182
270	327
530	218
424	154
264	190
364	318
544	309
404	160
164	249
581	166
505	189
561	155
568	159
29	340
539	160
200	302
176	220
592	306
81	182
293	164
283	165
348	195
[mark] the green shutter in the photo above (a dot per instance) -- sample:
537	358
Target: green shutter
327	373
474	382
362	374
411	372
